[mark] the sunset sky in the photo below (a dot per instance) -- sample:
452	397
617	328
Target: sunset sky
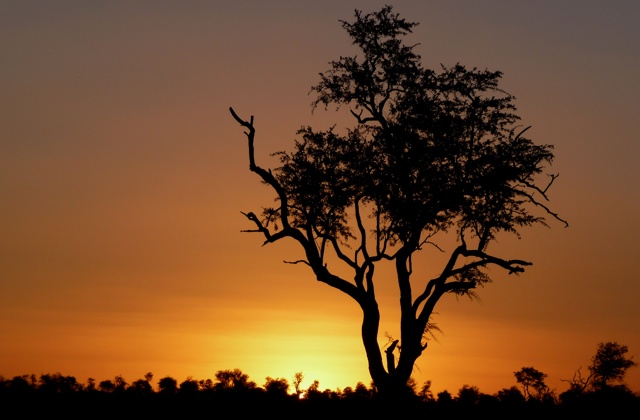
123	177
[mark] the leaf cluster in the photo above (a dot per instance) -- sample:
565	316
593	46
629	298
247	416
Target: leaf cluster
430	150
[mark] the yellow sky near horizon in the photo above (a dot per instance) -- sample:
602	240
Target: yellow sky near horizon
123	175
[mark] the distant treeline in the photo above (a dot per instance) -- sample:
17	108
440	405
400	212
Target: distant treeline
600	391
233	391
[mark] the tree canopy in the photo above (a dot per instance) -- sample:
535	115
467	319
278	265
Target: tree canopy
531	379
431	152
610	364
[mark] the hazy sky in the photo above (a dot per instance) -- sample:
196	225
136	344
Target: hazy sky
123	178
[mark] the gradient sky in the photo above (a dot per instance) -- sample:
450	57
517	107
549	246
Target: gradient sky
122	179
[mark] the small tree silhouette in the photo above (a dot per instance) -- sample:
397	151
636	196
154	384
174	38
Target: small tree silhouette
276	386
532	381
510	396
233	380
189	386
610	364
298	377
168	385
468	395
426	394
107	386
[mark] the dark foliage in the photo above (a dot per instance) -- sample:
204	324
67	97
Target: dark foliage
430	154
233	392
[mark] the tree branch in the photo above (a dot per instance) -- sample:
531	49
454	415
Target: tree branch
513	266
266	176
547	209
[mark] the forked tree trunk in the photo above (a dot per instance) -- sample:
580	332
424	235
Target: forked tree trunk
390	382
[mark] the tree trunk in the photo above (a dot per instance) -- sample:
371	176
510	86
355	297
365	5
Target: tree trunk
370	325
391	384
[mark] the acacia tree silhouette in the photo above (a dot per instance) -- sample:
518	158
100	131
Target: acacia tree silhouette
609	365
532	379
431	153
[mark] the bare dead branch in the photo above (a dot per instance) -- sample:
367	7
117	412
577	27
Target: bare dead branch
512	266
297	262
266	176
522	132
553	178
546	209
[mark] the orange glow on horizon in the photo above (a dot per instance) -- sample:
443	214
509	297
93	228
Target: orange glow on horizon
123	178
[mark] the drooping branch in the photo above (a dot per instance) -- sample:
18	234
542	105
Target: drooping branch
441	278
338	250
438	286
513	266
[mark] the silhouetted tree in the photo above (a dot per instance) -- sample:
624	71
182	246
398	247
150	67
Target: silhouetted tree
511	396
276	386
91	385
142	386
206	384
61	396
468	395
119	384
313	392
444	397
412	386
578	385
22	384
189	386
233	380
602	390
361	392
168	385
298	377
532	379
610	364
426	394
57	383
345	393
431	153
106	386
